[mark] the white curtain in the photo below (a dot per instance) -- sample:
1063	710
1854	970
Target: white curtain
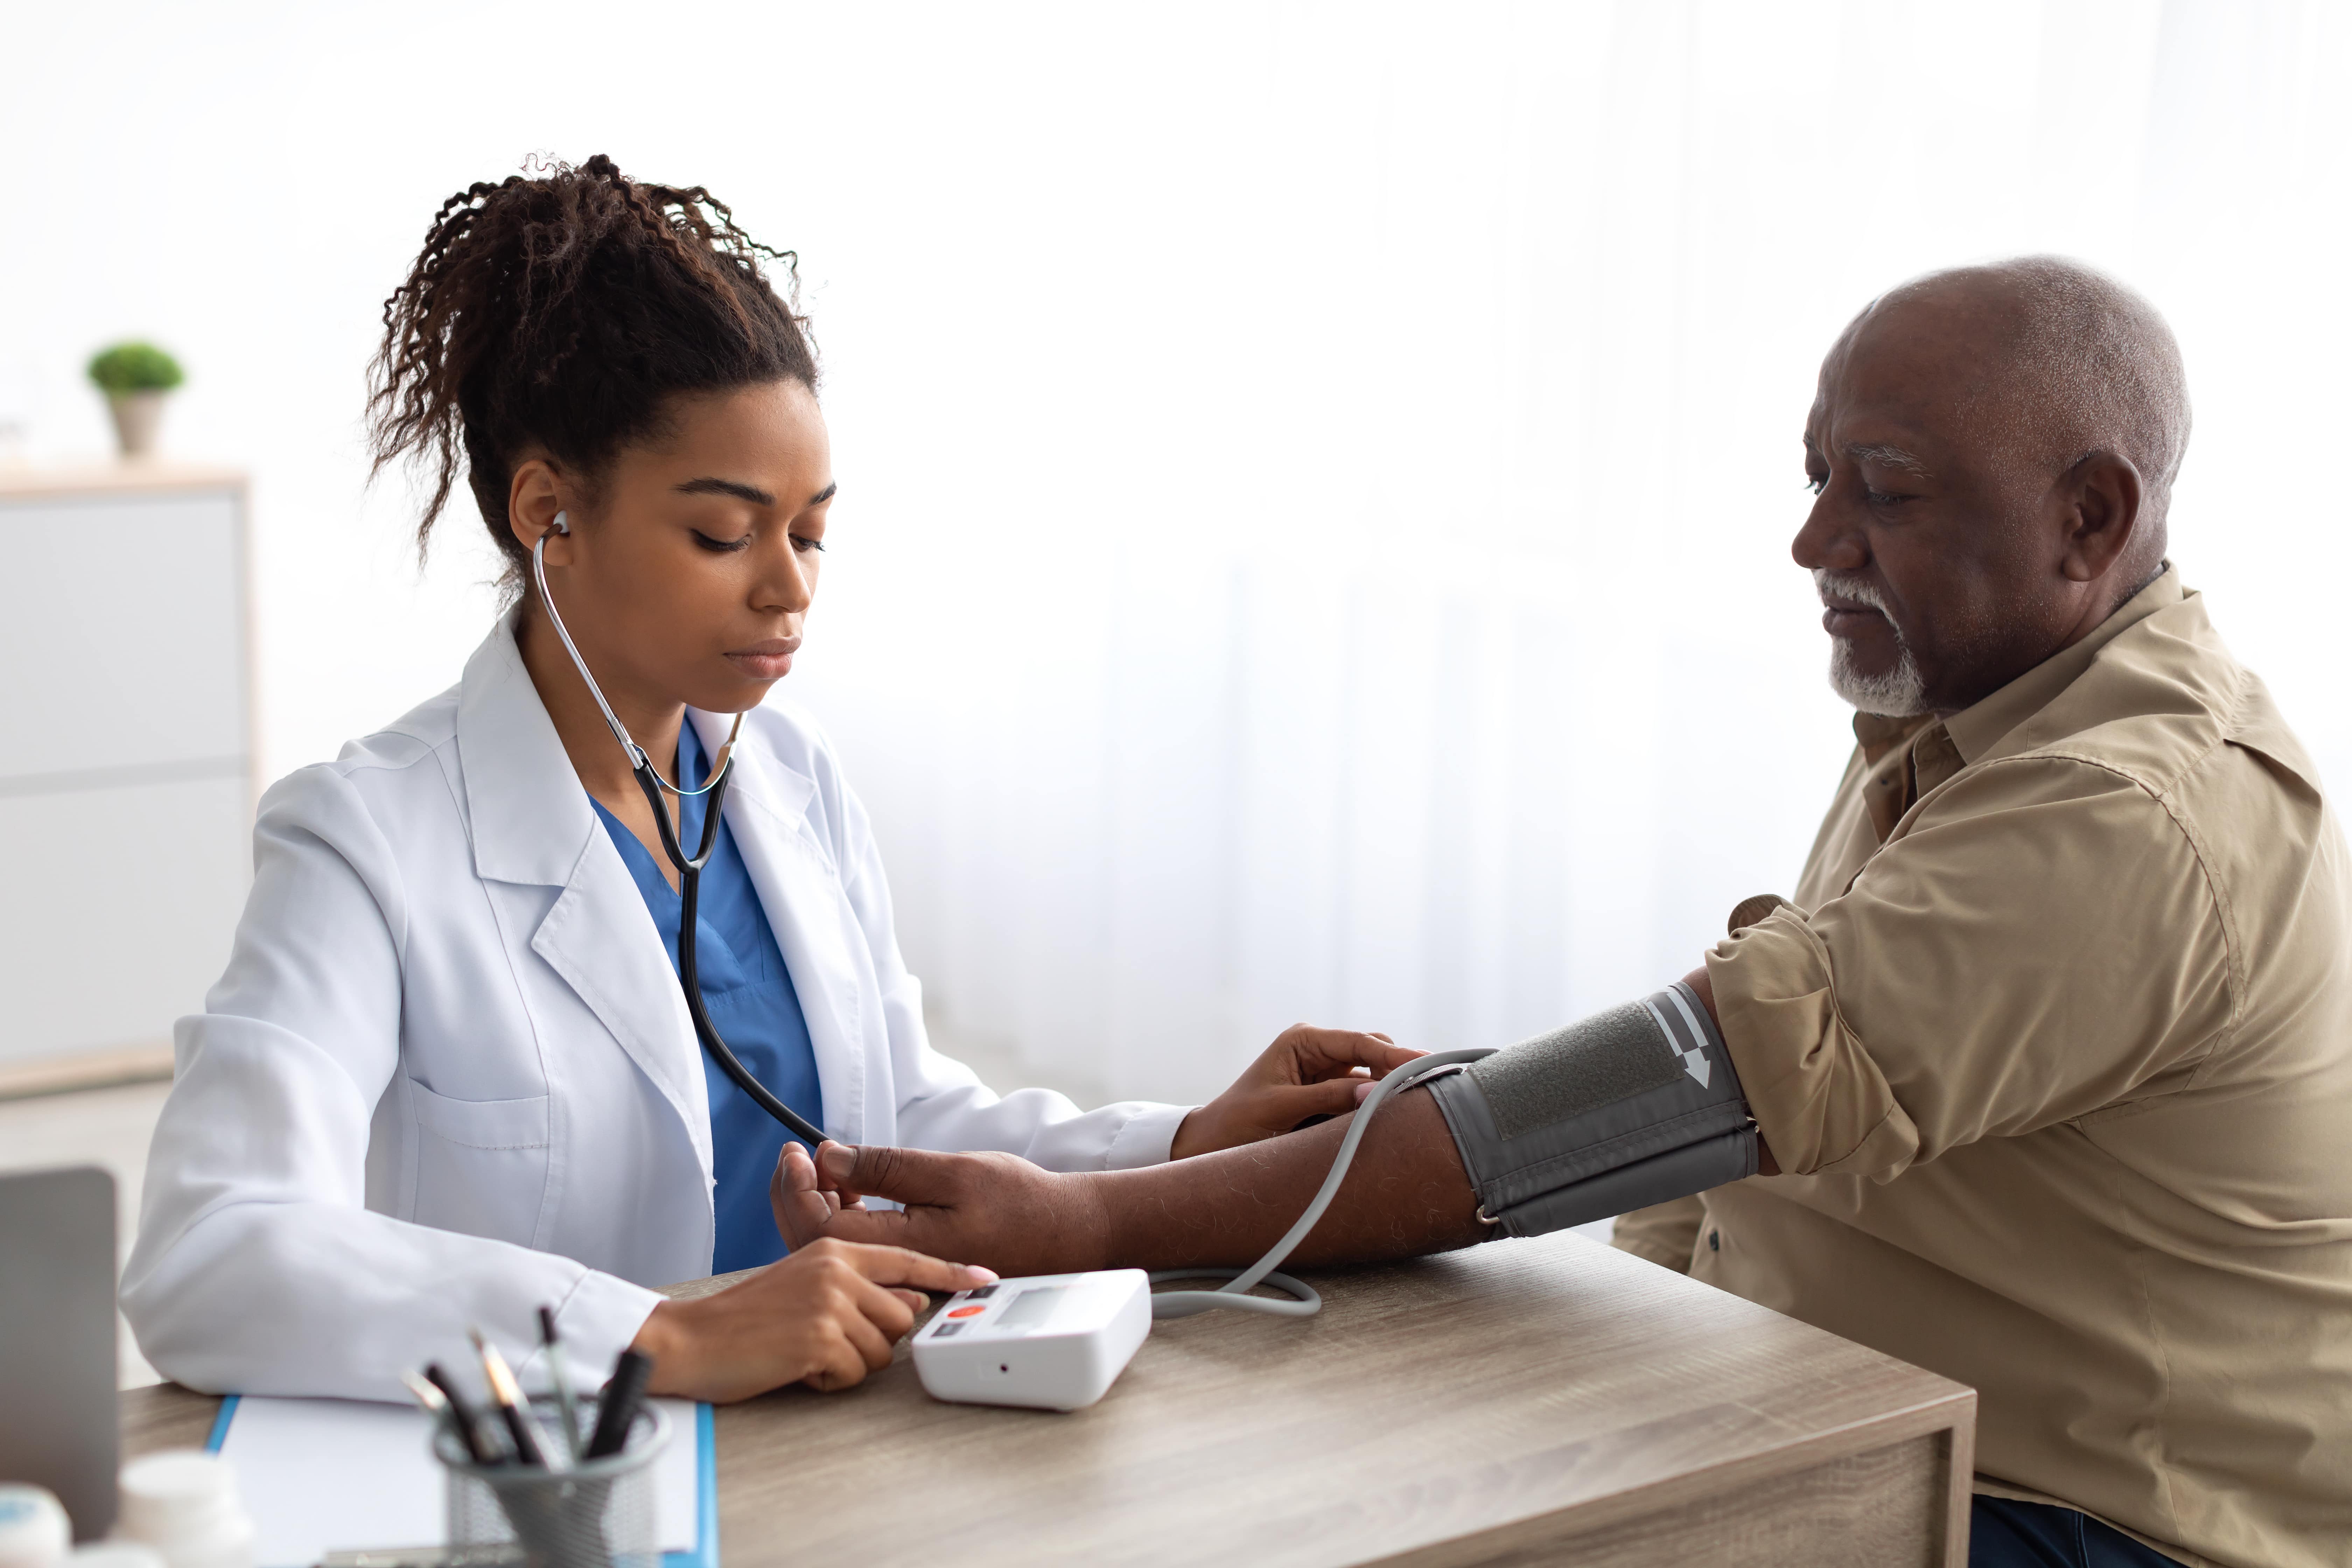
1366	597
1315	479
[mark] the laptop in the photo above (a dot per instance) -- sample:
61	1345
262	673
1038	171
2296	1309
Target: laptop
58	1420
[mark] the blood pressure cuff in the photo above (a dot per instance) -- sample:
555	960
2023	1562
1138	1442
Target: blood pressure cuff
1628	1108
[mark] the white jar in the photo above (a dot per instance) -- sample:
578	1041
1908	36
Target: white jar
114	1554
185	1504
34	1529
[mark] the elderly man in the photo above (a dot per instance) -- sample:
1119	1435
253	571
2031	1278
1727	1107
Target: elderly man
2042	1080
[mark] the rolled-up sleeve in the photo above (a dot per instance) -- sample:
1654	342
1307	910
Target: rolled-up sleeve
2039	941
1664	1234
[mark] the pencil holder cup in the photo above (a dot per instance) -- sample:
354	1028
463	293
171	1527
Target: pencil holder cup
598	1515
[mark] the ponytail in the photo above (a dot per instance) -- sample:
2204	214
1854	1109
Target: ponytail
563	313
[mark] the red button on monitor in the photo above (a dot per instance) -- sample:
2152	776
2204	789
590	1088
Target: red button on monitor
967	1311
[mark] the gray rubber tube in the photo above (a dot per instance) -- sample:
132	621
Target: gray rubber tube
1304	1302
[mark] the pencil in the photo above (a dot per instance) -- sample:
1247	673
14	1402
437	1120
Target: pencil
508	1396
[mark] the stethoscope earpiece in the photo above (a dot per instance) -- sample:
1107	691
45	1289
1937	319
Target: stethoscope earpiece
562	523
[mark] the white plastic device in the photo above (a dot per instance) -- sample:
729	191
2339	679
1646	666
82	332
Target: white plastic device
1049	1342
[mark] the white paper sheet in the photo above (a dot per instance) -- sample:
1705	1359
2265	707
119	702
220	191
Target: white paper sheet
335	1475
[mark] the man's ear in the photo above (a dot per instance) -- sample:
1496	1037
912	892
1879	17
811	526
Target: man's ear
2100	501
535	497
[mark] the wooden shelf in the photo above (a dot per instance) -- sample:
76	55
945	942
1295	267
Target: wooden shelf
78	1070
47	481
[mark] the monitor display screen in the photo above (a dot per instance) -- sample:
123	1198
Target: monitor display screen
1032	1308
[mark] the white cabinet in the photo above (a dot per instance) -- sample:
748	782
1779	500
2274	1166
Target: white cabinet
126	759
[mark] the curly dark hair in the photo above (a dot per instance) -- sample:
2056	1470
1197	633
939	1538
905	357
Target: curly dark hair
564	312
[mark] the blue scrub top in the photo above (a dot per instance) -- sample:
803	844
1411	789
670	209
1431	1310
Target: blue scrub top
749	995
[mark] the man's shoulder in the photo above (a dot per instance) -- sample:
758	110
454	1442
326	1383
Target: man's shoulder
2165	755
2207	766
2166	706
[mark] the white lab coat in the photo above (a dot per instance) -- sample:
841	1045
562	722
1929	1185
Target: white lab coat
449	1075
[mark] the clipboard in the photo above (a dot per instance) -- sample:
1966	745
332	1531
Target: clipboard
296	1458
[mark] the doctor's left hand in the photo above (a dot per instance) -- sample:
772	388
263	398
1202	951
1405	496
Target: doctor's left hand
1306	1075
826	1316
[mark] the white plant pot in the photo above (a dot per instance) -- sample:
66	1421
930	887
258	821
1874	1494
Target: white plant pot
137	416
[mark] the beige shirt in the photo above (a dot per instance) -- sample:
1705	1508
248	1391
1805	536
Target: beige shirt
2056	1042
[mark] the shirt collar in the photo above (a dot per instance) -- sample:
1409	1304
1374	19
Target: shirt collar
529	817
1879	734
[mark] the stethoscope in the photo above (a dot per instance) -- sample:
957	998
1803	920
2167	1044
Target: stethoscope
689	871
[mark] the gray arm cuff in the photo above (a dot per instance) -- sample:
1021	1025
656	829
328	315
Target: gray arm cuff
1628	1108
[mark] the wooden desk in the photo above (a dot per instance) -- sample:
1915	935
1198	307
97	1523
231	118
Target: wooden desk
1523	1402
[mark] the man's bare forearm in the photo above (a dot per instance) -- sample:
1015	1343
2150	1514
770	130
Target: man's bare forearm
1405	1195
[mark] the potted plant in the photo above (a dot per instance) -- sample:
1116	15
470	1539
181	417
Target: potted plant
135	376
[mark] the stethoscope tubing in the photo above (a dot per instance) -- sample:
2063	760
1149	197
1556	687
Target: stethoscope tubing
690	870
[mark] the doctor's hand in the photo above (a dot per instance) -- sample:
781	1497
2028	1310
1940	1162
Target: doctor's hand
826	1316
1306	1074
1024	1219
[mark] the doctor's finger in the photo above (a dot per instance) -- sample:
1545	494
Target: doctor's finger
801	1212
795	1171
801	1218
870	1339
903	1266
1325	1053
885	1309
840	1364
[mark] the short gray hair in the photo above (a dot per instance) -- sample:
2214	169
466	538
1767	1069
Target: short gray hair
2091	363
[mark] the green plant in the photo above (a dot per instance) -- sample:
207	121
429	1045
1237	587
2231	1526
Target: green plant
135	367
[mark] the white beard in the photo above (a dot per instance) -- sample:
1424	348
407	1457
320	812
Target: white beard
1901	692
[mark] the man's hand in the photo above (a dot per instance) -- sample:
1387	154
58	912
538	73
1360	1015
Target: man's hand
1024	1219
826	1316
1406	1193
1306	1073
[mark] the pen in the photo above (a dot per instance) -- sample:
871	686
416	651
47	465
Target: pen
435	1403
616	1407
555	1368
508	1396
461	1415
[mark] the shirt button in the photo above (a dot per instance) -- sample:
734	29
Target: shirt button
1713	1241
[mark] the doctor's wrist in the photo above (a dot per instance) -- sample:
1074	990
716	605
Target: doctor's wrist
666	1339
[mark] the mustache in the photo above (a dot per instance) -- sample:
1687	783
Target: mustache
1857	590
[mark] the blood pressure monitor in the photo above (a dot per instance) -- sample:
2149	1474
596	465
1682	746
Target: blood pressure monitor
1051	1341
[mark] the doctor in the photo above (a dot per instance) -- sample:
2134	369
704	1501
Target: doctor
450	1073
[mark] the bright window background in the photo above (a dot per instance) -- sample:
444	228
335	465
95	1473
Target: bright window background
1315	479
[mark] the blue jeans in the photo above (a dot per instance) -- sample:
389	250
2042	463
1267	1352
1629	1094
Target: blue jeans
2005	1534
